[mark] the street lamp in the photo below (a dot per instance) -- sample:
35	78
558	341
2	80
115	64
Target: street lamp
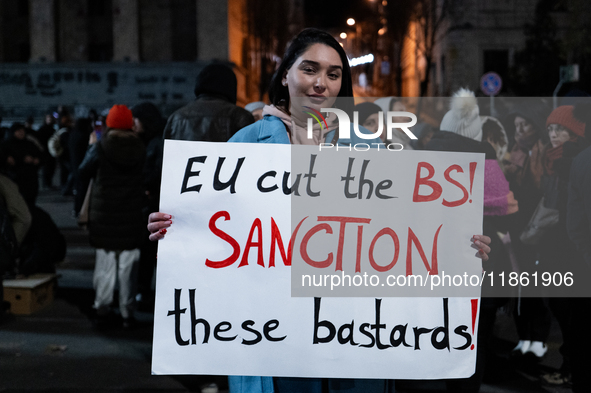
343	35
351	22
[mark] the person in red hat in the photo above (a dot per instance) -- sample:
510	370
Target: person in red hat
115	220
556	251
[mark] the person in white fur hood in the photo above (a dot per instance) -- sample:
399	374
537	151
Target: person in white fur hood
461	131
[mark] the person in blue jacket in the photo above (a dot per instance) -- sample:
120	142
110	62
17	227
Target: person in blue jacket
313	73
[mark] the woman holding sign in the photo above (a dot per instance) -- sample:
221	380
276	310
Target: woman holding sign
314	72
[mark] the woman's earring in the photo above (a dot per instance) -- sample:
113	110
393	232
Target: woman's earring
284	83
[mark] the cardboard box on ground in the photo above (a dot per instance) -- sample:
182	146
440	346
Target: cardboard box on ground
30	294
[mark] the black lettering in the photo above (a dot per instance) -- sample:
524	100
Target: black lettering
349	339
295	188
461	331
377	326
262	178
325	324
218	185
269	327
383	185
401	329
194	322
220	328
363	181
444	343
177	317
311	175
418	331
190	173
246	326
349	178
363	330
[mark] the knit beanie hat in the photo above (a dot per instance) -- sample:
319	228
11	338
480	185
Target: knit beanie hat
366	109
216	78
463	117
532	110
253	106
149	115
120	117
563	115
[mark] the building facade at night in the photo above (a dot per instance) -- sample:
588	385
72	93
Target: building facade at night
475	37
95	53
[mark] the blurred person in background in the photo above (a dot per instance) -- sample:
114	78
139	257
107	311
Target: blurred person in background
22	158
58	146
424	133
494	133
369	117
30	132
15	220
213	116
461	131
40	245
556	251
17	213
399	136
115	224
256	108
48	162
149	124
389	104
43	247
524	170
29	121
77	146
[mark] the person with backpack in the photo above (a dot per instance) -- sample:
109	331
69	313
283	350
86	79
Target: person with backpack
15	220
116	223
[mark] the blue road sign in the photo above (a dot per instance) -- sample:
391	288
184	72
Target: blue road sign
491	83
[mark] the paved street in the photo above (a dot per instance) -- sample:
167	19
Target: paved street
57	349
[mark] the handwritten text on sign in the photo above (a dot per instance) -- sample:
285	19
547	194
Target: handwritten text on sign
241	214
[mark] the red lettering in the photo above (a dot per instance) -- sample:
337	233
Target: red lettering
224	236
372	261
359	244
256	224
344	221
304	246
412	238
457	184
435	187
276	239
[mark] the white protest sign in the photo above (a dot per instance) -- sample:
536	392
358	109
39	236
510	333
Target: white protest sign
223	294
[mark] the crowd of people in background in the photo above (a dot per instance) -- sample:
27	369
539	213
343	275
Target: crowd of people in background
110	163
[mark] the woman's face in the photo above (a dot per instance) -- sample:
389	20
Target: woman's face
372	124
137	126
558	134
398	106
20	134
523	129
316	76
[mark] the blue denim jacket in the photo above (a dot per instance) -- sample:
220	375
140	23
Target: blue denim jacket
271	129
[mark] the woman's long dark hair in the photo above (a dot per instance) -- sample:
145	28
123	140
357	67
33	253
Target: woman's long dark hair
279	94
